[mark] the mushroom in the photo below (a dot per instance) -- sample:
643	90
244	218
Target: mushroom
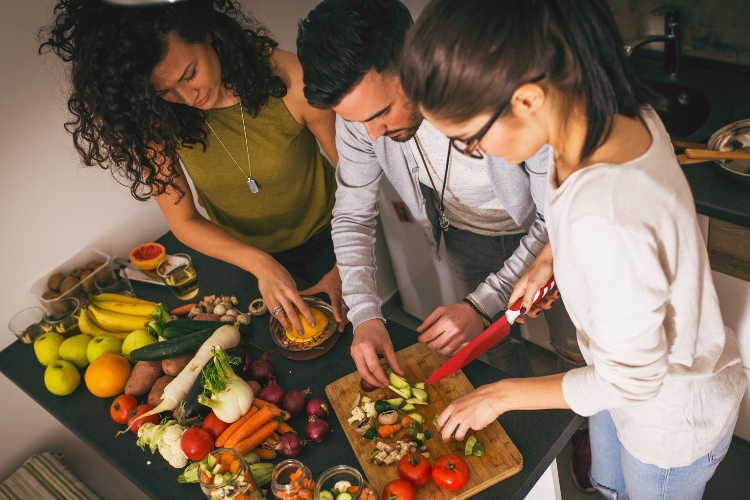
220	310
232	312
363	426
258	307
234	300
244	318
194	311
388	417
229	319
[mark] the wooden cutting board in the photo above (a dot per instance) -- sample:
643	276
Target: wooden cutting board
501	458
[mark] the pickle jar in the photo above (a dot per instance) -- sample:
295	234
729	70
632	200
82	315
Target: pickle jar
340	479
291	478
224	474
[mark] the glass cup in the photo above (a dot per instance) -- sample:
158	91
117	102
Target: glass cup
291	479
114	281
329	479
178	273
231	484
63	317
29	324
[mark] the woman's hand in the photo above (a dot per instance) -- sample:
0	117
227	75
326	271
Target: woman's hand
536	276
330	284
475	410
279	289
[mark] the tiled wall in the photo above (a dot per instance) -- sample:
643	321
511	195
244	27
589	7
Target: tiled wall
714	29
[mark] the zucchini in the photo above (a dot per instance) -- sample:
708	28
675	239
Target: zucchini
172	332
420	394
397	382
408	407
395	402
173	347
193	325
325	495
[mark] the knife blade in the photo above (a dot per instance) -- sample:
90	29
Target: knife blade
491	336
134	273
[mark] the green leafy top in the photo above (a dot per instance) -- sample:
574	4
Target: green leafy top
217	375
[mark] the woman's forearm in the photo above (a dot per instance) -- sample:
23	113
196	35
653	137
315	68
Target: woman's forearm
536	393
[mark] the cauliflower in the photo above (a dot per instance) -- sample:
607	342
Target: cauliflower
370	410
358	415
170	447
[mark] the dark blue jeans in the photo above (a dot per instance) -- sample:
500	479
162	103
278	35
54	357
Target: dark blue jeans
311	260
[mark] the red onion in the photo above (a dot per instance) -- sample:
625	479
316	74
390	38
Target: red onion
366	386
317	407
294	402
290	445
317	429
262	370
273	393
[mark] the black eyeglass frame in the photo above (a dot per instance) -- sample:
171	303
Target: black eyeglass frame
468	147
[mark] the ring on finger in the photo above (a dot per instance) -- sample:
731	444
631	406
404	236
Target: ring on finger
277	310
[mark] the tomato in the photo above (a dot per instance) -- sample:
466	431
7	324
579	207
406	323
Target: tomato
121	408
450	472
399	489
196	443
154	419
415	468
214	426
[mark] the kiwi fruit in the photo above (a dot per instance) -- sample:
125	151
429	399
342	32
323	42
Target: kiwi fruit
76	273
49	295
87	286
68	283
93	265
54	282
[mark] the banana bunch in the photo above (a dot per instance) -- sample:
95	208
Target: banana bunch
116	315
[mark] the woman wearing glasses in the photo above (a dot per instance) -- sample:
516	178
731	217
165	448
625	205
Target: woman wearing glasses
197	85
664	380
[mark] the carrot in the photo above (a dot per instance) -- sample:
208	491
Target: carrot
352	490
305	494
406	422
257	437
381	396
226	458
277	412
295	475
206	478
265	453
386	430
284	428
182	310
236	425
249	427
242	496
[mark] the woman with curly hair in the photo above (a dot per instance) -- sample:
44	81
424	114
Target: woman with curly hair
200	86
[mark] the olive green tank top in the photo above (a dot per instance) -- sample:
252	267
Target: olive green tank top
296	184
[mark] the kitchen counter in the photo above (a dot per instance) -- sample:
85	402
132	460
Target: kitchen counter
538	435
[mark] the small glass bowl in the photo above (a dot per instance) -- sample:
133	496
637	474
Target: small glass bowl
282	484
330	477
238	483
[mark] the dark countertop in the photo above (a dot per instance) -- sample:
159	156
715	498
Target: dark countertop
539	435
716	195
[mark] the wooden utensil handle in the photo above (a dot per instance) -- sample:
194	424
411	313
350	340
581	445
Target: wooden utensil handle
684	160
706	154
686	145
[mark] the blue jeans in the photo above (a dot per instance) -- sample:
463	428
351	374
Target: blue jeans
311	260
618	475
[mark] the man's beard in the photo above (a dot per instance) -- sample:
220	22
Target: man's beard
406	133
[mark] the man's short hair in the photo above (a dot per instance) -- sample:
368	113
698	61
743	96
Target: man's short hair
341	40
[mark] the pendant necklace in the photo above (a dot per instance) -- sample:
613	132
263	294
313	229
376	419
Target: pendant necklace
250	181
444	221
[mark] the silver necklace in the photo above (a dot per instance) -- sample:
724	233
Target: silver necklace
444	220
250	181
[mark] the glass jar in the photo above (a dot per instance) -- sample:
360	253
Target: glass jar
233	483
292	479
333	478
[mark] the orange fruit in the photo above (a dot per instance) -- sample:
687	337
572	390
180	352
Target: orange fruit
148	256
107	375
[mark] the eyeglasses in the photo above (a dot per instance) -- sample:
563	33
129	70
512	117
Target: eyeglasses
468	147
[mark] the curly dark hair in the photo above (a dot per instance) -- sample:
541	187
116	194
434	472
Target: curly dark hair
119	122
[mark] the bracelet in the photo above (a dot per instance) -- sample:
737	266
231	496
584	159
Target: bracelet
479	311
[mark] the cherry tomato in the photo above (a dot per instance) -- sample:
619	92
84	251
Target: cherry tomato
196	443
415	468
121	408
399	489
450	472
214	426
154	419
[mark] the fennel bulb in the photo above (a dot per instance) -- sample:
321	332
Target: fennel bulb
225	393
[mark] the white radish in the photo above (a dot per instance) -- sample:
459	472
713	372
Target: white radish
226	337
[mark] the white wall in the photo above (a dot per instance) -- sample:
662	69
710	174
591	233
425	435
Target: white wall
52	208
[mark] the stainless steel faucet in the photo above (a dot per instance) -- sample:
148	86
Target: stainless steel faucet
672	39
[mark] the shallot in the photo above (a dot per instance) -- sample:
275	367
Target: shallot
273	393
262	370
294	402
317	407
366	386
317	429
290	445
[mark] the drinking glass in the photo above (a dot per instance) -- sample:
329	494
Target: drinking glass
178	273
64	317
29	324
114	281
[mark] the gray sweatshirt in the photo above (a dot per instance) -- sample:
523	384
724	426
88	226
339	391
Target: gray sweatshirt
362	163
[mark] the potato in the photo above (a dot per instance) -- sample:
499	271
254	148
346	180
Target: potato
143	377
206	317
154	397
173	366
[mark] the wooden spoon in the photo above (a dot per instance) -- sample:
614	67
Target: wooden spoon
705	154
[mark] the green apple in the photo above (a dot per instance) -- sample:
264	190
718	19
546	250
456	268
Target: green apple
103	344
74	350
47	347
136	339
61	377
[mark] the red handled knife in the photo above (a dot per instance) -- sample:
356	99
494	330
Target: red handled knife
491	336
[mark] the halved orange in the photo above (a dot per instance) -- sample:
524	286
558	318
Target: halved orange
147	256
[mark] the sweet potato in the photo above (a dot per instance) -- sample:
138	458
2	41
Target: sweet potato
142	377
154	397
207	317
173	366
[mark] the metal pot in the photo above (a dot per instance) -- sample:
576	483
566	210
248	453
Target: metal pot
732	137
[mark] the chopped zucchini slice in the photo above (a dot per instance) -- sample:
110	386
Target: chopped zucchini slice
397	381
415	401
419	385
365	399
395	402
416	416
325	495
420	394
408	407
404	392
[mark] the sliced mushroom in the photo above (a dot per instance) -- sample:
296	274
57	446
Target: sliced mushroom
234	300
363	426
388	417
194	311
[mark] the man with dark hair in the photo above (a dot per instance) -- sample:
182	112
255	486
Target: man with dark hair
488	211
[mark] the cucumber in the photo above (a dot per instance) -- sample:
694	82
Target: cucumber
325	495
172	332
193	325
344	496
173	347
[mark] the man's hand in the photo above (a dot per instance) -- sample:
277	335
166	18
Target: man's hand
370	339
330	284
450	328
